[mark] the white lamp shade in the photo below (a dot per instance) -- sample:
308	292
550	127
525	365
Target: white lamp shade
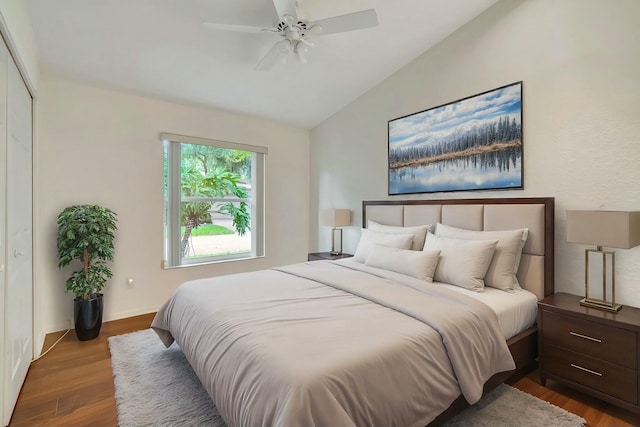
335	217
612	229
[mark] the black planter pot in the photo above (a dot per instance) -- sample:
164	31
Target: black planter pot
87	315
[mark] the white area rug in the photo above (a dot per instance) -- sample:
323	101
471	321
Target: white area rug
156	386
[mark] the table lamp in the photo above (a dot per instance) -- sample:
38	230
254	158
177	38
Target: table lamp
336	218
613	229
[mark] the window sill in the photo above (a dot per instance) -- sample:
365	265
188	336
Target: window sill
208	262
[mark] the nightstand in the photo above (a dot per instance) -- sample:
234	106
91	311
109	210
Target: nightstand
593	351
315	256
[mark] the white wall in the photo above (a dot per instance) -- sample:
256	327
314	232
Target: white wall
580	65
101	146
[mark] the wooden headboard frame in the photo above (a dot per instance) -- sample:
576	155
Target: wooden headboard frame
471	213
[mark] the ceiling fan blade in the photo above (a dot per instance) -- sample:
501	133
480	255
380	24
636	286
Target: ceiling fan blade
237	28
286	7
278	53
349	22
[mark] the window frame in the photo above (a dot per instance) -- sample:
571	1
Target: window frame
173	200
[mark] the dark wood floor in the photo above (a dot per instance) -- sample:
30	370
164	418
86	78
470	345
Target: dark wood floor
73	386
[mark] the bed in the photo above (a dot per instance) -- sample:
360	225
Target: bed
351	343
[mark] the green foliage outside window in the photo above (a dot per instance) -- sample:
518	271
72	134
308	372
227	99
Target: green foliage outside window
202	176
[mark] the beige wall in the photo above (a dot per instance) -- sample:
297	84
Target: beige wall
580	65
102	146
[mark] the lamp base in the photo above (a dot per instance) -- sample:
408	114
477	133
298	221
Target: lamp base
336	243
600	305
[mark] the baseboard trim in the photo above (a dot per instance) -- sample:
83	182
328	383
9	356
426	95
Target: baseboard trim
129	313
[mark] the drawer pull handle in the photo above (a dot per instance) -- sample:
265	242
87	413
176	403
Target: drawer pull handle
586	370
575	334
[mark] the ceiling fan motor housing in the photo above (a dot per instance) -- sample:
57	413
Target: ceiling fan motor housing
291	30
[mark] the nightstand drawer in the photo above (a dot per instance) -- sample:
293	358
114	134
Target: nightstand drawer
613	344
593	373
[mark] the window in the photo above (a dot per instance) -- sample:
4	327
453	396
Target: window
214	198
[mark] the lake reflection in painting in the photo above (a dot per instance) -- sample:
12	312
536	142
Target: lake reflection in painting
492	170
471	144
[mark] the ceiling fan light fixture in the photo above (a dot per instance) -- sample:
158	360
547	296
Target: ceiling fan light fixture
284	49
293	33
301	49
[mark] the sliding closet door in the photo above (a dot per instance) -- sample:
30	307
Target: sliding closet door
3	206
18	301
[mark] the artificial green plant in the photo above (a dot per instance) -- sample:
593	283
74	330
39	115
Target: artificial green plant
85	234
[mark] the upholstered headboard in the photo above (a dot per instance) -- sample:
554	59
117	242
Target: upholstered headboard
537	214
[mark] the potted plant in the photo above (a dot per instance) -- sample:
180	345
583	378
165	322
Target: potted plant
85	234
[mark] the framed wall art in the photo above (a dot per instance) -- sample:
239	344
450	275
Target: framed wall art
474	143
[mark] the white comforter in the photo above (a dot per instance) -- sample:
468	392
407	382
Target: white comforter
323	344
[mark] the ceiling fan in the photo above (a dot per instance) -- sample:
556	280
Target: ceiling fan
295	31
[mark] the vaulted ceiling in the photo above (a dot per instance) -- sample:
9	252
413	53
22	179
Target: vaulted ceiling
160	48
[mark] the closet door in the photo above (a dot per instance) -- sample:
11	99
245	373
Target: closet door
18	302
4	419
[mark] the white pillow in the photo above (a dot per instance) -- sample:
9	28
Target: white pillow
502	271
462	262
418	264
420	232
369	238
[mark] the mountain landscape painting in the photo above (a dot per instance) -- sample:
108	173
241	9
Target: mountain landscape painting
471	144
